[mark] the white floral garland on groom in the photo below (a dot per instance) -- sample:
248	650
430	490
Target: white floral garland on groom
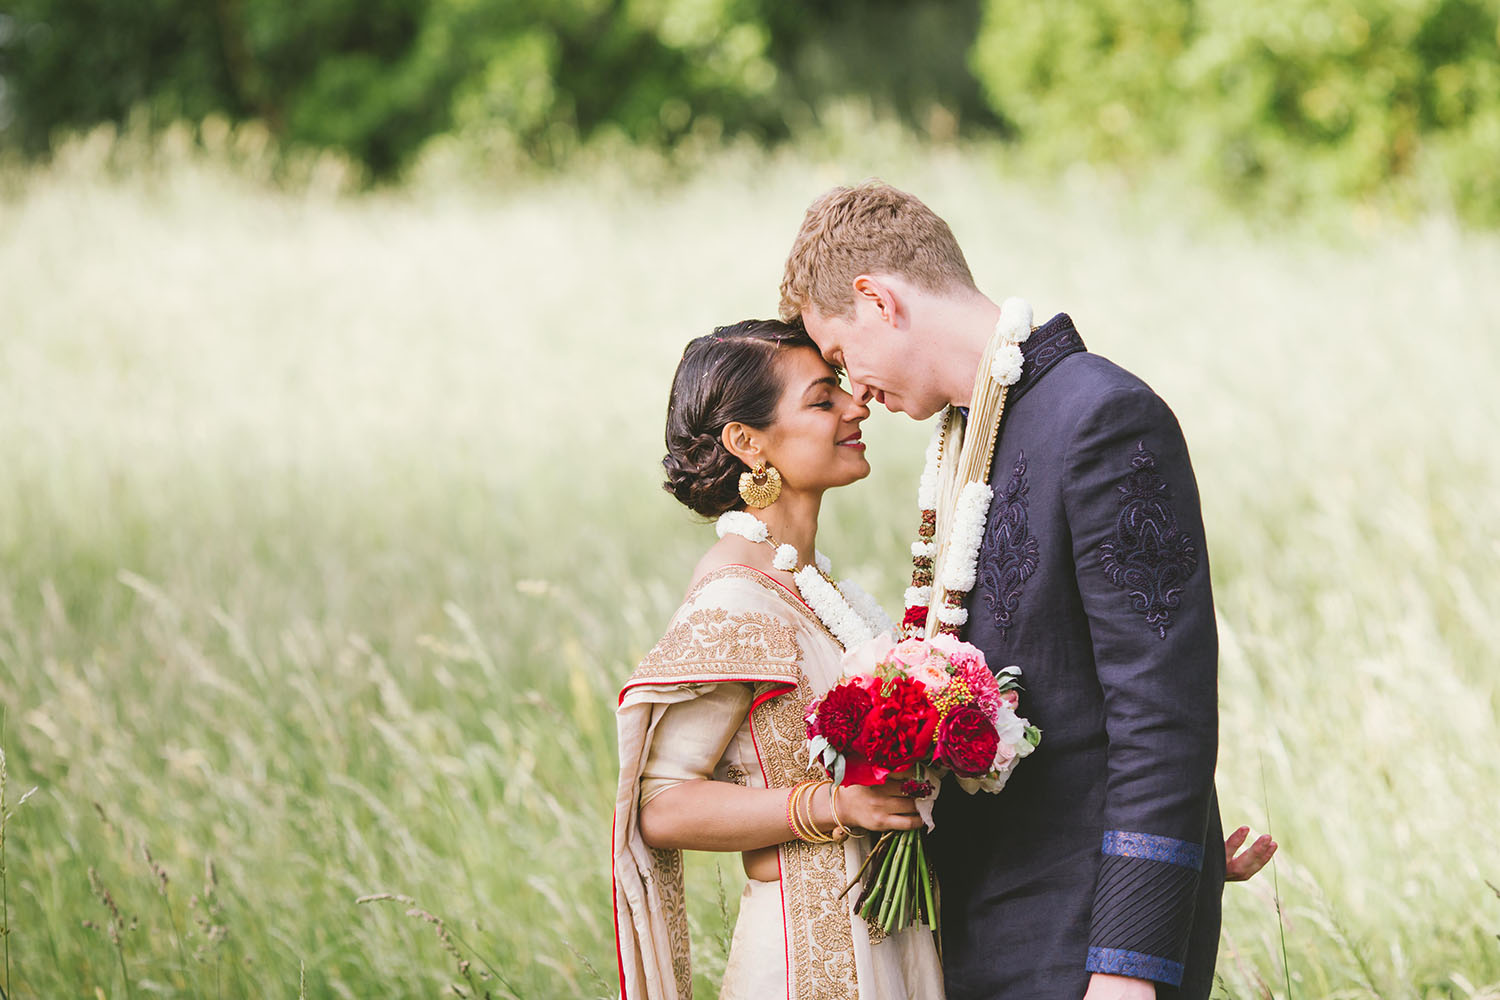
955	495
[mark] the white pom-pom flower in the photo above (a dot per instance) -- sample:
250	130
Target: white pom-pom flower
953	616
1005	367
786	558
1015	320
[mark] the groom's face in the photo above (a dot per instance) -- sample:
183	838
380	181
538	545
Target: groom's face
877	357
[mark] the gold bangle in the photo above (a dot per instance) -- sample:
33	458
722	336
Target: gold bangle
840	831
793	817
809	825
807	829
791	813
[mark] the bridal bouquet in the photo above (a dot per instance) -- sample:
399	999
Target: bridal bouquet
918	709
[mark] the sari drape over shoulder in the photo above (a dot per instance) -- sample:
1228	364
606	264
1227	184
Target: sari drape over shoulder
738	626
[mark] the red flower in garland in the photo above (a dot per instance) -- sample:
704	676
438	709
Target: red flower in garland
967	741
841	714
916	616
899	729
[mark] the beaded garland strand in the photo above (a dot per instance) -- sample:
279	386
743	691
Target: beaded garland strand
934	601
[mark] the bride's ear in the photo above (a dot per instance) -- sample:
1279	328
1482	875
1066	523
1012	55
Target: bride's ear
741	442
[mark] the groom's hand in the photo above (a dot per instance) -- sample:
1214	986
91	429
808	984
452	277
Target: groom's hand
1103	987
1243	866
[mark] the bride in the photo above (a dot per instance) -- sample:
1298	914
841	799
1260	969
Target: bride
711	723
758	428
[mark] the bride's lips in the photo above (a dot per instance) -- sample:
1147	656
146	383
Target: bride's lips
852	441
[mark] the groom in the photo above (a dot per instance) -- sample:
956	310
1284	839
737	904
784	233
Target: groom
1098	871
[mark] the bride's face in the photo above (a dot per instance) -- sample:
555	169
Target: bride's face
815	439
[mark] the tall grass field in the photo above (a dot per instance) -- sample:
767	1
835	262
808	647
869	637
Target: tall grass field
330	525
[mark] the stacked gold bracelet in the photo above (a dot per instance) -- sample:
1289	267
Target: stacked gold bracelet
799	814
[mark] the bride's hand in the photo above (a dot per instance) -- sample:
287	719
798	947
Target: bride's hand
872	807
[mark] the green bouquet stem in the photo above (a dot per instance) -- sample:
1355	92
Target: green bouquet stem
899	885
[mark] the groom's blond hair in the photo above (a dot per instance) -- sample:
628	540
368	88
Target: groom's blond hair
869	228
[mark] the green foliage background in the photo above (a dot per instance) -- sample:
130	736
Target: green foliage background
1276	104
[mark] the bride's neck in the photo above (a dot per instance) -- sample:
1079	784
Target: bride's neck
793	520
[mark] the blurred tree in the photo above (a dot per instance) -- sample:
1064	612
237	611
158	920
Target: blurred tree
909	60
1291	99
376	79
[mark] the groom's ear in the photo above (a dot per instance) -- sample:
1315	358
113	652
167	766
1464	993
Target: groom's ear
878	295
740	442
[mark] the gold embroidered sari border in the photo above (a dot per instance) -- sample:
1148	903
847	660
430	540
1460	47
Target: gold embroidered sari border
743	572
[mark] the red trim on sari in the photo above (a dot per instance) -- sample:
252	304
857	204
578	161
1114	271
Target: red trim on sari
794	594
717	679
614	904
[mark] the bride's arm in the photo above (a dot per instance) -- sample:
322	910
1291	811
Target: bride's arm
704	815
682	809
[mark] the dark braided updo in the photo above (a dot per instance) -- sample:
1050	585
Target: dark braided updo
727	376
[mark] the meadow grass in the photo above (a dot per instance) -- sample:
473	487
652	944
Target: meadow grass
330	525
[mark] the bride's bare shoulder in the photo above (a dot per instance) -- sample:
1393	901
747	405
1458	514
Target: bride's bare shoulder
728	551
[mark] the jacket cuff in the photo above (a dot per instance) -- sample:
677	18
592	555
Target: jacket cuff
1143	906
1118	962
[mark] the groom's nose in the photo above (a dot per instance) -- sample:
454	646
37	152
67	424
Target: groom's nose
862	393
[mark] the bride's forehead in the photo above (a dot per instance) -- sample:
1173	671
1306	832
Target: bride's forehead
802	366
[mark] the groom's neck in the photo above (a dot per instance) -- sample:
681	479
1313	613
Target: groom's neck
961	324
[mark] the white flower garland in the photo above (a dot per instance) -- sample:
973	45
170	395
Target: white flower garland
927	486
962	565
737	522
865	606
971	510
832	608
853	616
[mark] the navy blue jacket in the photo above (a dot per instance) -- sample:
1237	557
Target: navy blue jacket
1104	853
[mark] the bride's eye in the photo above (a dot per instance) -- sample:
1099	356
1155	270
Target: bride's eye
825	405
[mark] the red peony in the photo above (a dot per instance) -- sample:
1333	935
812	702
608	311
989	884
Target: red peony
841	714
967	741
899	728
915	616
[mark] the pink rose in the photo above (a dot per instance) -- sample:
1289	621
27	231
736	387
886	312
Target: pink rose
961	654
1004	754
909	653
931	674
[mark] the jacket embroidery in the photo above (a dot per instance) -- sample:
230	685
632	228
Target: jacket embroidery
1008	555
1149	557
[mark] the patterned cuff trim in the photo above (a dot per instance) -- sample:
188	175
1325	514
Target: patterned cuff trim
1153	848
1115	962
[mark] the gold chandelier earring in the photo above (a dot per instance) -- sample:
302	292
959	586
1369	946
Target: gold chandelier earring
760	486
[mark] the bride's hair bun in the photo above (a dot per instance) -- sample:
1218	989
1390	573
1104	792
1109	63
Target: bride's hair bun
727	376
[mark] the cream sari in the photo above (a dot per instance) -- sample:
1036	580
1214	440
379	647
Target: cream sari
796	936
